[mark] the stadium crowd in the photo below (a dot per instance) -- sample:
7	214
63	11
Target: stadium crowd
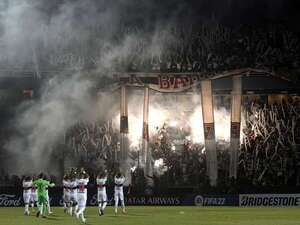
213	47
207	48
269	154
268	157
96	144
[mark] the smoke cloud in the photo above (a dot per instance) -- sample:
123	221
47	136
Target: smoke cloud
65	35
42	123
43	35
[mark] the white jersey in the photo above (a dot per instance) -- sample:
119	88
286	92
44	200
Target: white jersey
82	191
27	191
82	185
66	187
119	181
66	190
73	191
101	187
73	187
27	186
101	184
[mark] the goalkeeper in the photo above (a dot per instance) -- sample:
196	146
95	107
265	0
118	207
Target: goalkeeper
42	185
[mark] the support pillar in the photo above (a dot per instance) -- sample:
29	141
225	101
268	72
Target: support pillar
146	153
209	131
236	102
124	142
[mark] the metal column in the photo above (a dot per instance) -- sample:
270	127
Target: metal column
236	102
209	131
124	143
146	153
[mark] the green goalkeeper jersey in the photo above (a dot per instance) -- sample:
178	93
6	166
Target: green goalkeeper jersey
42	186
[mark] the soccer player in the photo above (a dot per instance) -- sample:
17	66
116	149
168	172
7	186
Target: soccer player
27	184
73	194
82	183
66	192
33	194
42	184
48	201
119	194
102	196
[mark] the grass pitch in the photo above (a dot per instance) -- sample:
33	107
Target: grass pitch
162	216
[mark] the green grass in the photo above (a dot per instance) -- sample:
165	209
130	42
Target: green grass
162	216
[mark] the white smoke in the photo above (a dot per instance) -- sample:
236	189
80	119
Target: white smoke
42	123
177	111
54	35
44	35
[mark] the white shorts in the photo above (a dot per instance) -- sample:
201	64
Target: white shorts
33	197
26	197
73	197
82	198
119	195
66	197
102	196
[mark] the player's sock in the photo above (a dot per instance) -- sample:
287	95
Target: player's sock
45	209
32	204
76	208
26	212
99	209
81	210
82	218
116	205
49	208
77	213
65	207
104	205
71	210
123	206
68	207
41	207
